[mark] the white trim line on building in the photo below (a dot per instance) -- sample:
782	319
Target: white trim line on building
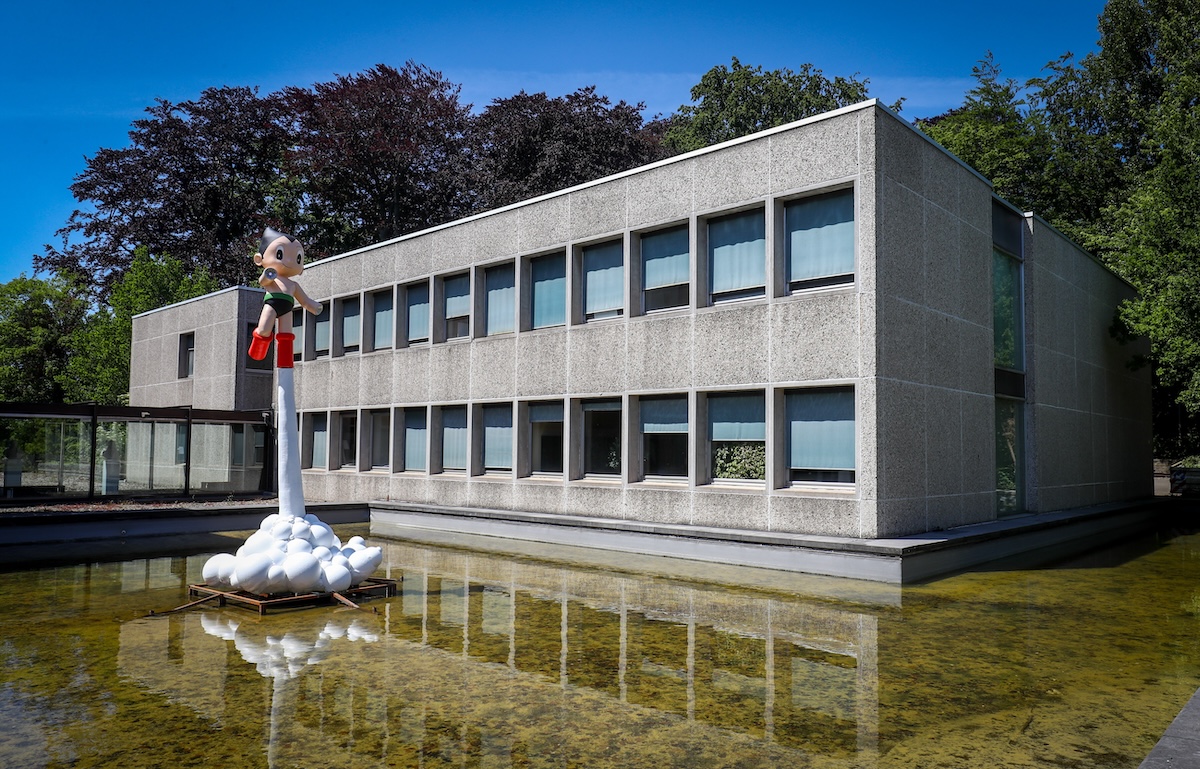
198	298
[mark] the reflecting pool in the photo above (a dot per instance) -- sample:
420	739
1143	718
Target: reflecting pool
485	660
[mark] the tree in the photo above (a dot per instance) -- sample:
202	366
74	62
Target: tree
98	367
740	100
198	180
38	318
379	154
531	144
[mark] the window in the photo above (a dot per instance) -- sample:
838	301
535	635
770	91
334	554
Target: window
546	437
417	302
454	438
320	441
381	435
602	437
258	438
351	323
500	296
181	444
737	427
1007	323
820	435
457	306
267	363
348	439
237	446
819	240
603	280
383	322
1010	459
321	332
665	269
414	439
665	436
737	256
497	437
548	295
187	355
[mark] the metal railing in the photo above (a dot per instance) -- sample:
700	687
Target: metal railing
88	452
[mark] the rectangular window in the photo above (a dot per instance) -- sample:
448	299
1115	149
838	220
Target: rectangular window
383	322
666	268
417	301
603	280
181	444
497	437
548	294
737	256
546	437
351	324
187	355
1007	322
737	424
348	442
820	435
457	306
381	439
665	436
1010	457
414	439
500	297
258	439
321	332
320	441
454	438
819	240
602	437
237	446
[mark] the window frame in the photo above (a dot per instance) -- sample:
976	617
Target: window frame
685	287
784	209
746	293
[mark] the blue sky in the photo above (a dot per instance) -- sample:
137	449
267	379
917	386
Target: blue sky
76	74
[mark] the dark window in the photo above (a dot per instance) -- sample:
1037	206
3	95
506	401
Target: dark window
602	437
187	355
546	437
664	436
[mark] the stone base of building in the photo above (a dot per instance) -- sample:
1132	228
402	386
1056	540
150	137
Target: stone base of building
1023	541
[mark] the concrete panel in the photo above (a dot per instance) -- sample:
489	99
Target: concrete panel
660	195
866	232
729	345
449	490
410	378
899	517
378	268
491	494
660	352
943	351
978	507
815	337
867	474
344	381
943	442
942	180
944	512
450	372
902	428
409	488
944	289
597	359
814	153
594	501
375	379
541	363
544	224
345	277
977	359
830	516
900	152
903	329
900	266
979	444
736	175
975	272
643	503
495	236
493	367
453	248
411	258
312	391
598	210
317	280
730	509
539	497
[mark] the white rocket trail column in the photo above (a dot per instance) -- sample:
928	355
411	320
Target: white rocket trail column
291	488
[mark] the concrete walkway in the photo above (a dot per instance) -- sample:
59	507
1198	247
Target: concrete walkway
1179	747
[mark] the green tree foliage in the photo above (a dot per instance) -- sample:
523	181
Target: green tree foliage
531	144
38	320
198	180
98	368
734	101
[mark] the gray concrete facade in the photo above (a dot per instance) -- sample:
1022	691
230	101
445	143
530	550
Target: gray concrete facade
908	338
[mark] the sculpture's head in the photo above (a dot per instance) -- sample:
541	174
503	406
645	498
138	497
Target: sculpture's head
279	251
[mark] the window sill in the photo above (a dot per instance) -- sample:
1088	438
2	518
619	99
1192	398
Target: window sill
735	485
664	481
596	479
827	490
543	477
847	287
493	476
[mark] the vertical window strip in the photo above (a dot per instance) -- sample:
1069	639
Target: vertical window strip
454	438
384	320
418	312
1008	326
321	331
320	441
497	437
548	300
351	324
414	439
501	296
604	279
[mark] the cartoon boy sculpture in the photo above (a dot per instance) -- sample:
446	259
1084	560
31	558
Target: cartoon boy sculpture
282	258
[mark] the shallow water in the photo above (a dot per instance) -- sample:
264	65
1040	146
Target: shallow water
492	661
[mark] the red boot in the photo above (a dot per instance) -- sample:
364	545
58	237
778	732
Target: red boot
259	345
284	357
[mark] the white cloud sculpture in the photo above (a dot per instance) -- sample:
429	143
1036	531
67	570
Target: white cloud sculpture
284	656
293	554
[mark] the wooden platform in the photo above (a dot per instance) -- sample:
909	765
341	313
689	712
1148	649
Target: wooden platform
372	587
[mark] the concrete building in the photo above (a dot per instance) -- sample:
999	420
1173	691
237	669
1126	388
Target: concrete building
830	328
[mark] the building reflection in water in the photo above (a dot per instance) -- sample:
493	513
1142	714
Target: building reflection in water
485	660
